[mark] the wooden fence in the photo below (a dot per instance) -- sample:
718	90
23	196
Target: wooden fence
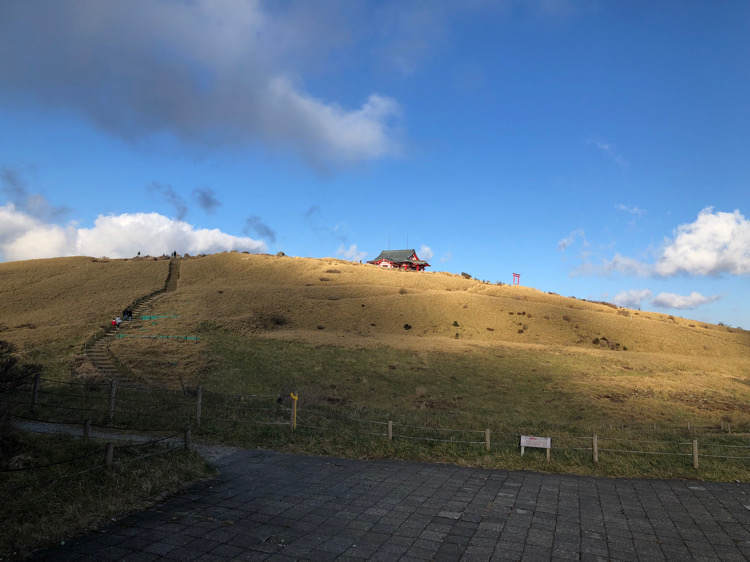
118	405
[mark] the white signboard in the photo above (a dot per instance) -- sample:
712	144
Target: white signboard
539	442
531	441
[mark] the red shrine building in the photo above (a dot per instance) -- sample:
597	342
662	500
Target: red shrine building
400	259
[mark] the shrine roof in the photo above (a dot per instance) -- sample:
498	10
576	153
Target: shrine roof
400	256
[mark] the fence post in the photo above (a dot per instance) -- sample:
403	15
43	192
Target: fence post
487	439
109	454
87	429
293	421
188	438
112	394
595	448
198	405
390	430
35	391
695	454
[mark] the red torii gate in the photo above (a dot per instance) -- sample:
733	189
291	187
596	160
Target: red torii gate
516	279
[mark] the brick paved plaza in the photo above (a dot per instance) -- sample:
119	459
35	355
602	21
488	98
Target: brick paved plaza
272	506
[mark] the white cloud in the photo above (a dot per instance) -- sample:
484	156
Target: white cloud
626	265
447	256
632	298
716	242
618	264
425	252
633	210
350	253
672	300
563	243
609	149
212	72
116	236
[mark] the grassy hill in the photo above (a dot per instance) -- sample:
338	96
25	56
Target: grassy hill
49	307
430	348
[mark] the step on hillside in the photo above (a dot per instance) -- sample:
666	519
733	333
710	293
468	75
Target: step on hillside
98	351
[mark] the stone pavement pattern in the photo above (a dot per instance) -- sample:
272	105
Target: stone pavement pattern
267	505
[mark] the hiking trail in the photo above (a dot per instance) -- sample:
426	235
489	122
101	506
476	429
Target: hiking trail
96	349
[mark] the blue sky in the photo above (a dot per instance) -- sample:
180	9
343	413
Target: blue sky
600	149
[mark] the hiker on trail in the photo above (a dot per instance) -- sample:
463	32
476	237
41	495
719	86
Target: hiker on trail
118	321
114	322
127	314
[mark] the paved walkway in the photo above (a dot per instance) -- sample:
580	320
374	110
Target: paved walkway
269	505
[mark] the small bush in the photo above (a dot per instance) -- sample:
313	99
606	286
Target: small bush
402	291
332	271
465	275
566	317
407	326
455	323
325	279
278	320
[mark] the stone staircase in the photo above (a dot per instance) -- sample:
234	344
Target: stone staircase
96	349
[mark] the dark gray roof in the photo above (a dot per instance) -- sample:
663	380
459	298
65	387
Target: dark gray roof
399	256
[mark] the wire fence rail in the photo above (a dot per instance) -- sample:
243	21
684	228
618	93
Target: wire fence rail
112	404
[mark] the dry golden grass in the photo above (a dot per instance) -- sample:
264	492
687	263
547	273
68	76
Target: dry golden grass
49	307
313	297
474	355
673	368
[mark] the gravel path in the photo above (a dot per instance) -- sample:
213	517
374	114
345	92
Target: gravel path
212	453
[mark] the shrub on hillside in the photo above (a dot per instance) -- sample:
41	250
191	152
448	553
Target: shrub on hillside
13	376
465	275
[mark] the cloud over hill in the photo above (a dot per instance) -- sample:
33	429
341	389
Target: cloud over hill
25	237
212	73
